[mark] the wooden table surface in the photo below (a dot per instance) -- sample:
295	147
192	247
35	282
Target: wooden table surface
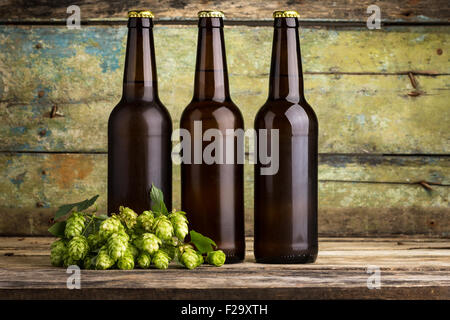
410	268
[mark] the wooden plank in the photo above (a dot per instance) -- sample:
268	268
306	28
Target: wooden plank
406	272
357	114
358	202
80	72
392	11
96	54
391	169
402	245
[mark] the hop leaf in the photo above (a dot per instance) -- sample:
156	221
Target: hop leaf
117	244
57	251
191	259
202	243
145	221
132	250
78	248
157	200
180	224
58	229
148	242
161	259
128	217
126	262
74	225
103	260
216	258
162	228
81	206
144	260
110	226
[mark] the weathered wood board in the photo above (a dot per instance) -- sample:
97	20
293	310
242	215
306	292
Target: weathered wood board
392	11
381	96
410	268
364	99
357	195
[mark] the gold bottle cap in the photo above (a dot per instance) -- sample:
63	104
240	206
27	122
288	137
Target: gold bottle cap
140	14
210	14
286	14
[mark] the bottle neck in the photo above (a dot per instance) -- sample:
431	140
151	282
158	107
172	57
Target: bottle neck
139	80
211	76
286	79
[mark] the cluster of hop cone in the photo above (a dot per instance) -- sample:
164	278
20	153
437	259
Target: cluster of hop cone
127	240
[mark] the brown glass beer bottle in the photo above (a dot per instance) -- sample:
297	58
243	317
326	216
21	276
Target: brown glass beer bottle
285	202
212	194
139	127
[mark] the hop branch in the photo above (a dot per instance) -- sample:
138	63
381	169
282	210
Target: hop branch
152	239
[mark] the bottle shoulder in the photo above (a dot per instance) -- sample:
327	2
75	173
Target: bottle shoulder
143	108
141	115
299	118
212	111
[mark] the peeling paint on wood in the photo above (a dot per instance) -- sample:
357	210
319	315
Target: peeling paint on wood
80	73
366	206
357	114
388	169
374	92
394	10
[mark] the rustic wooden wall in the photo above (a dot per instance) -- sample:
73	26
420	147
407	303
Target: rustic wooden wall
381	96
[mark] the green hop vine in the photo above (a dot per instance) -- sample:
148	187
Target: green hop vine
127	240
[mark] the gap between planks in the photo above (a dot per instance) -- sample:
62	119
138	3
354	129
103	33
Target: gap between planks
324	23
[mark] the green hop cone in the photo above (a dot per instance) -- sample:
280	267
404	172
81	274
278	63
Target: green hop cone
191	259
126	262
95	241
78	248
148	242
68	260
132	250
216	258
57	251
74	225
162	228
201	260
117	244
144	260
174	242
109	226
161	259
103	260
128	217
145	221
182	248
180	224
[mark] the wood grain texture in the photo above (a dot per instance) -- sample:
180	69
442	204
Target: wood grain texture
357	195
392	11
362	96
409	268
375	92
